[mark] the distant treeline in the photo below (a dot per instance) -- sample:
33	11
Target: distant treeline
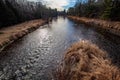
103	9
16	11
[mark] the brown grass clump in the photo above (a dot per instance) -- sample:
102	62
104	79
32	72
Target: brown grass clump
11	33
111	26
85	61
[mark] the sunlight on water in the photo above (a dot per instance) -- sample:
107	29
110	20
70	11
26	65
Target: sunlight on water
35	56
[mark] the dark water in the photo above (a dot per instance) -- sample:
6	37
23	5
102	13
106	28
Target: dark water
35	56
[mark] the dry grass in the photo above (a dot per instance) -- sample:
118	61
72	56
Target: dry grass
14	32
112	26
85	61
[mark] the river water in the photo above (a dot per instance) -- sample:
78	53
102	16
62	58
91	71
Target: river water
36	55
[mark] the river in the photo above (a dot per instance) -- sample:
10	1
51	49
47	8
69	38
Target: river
36	55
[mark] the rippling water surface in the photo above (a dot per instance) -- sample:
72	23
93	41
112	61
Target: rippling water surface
35	56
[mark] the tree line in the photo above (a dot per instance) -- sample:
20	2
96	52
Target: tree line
16	11
102	9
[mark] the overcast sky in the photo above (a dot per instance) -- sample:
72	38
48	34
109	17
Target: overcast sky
59	4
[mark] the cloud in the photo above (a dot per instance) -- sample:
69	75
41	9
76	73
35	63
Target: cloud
59	4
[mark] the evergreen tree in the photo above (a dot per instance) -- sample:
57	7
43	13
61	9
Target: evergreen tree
108	9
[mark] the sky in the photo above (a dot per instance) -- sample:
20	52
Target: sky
59	4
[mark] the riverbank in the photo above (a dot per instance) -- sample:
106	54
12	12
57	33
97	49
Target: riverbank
12	33
86	61
110	26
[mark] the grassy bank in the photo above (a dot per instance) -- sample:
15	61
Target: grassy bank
11	33
86	61
110	26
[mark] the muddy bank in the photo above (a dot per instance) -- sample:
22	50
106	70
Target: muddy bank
10	34
110	26
86	61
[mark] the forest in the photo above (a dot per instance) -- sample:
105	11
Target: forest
101	9
17	11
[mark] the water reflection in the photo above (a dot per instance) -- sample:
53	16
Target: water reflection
36	55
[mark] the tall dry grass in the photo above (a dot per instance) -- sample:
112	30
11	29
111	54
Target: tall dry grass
86	61
111	26
11	33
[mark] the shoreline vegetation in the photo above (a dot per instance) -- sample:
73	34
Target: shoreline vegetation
17	11
12	33
109	26
86	61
